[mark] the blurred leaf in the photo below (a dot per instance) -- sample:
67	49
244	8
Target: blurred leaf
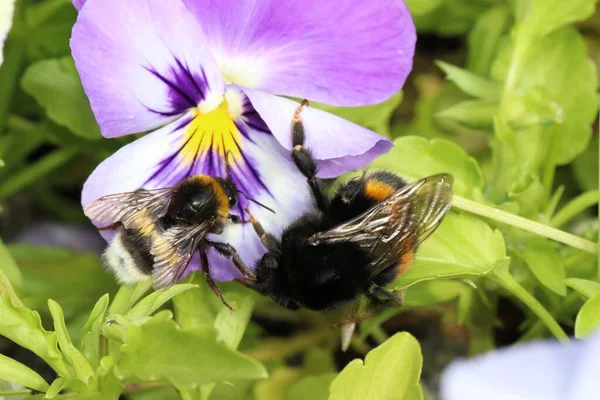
50	25
585	287
74	279
585	166
450	18
277	385
311	387
82	367
154	301
56	86
563	110
588	319
415	157
472	113
542	258
9	268
90	340
24	327
484	39
422	7
391	371
15	372
167	393
160	351
545	16
428	293
470	83
529	192
463	246
376	117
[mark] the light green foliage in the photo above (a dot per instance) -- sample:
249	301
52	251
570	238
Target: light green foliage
159	351
415	157
376	117
56	86
391	371
503	96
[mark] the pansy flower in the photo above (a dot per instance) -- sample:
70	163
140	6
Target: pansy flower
203	77
7	9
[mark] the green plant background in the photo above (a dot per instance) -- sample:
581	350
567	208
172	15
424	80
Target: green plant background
503	95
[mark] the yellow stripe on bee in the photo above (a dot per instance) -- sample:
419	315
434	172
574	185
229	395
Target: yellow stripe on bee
223	208
214	131
378	190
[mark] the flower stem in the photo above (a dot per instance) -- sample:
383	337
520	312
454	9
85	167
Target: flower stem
575	207
506	280
525	224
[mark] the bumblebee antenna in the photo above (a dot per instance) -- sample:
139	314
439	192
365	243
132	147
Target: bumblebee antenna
227	168
256	201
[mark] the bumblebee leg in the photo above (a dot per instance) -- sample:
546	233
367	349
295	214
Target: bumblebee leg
380	294
228	251
267	239
209	279
303	158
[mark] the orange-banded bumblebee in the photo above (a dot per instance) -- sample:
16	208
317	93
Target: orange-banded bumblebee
356	242
160	230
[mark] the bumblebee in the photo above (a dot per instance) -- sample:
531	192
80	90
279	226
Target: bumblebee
356	242
158	231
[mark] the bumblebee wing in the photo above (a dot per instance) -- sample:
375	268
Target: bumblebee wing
128	208
397	225
173	249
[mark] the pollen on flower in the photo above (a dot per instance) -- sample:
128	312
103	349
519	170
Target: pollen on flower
214	132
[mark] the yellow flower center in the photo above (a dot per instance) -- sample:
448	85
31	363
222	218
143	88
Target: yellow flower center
214	131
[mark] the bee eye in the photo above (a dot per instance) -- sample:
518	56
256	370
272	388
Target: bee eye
232	200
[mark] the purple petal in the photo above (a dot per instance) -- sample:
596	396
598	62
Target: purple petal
78	4
195	144
338	145
142	63
346	52
529	371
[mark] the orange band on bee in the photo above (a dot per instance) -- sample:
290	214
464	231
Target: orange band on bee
405	262
378	190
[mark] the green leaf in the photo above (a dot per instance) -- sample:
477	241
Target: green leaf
15	372
585	287
470	83
55	85
83	369
463	246
376	117
450	18
231	326
545	16
127	296
422	7
311	387
585	166
415	157
391	371
563	111
542	258
588	319
154	301
90	339
485	37
73	279
24	327
160	351
9	268
278	384
472	113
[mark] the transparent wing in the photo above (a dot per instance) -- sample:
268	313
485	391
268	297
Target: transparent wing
173	249
397	225
131	209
